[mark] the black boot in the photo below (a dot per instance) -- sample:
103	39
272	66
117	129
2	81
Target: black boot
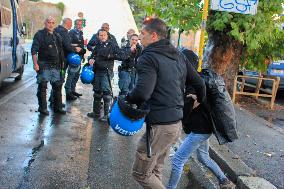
76	94
70	96
96	107
57	98
107	103
41	95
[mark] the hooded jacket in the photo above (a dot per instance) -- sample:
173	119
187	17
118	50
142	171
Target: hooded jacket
163	73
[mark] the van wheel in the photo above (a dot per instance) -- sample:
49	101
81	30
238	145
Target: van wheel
20	71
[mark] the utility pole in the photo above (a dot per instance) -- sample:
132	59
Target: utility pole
203	27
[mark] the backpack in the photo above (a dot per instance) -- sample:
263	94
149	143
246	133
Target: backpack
219	107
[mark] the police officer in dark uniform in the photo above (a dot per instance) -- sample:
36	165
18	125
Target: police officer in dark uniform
127	71
102	59
77	40
62	30
47	55
91	44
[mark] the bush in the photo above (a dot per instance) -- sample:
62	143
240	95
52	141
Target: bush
61	6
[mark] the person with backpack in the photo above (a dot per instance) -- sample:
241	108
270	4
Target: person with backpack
197	123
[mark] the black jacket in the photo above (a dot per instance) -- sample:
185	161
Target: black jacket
132	60
78	39
196	120
162	75
104	54
94	40
48	47
66	40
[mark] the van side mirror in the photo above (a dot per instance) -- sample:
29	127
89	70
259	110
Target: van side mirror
24	29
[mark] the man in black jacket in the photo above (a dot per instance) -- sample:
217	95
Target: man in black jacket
162	75
102	59
47	55
62	30
127	71
77	40
91	44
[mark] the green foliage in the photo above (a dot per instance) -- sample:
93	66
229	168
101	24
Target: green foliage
61	7
183	14
35	0
260	34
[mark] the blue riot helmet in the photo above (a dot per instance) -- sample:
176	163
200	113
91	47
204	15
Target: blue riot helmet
125	119
87	75
73	59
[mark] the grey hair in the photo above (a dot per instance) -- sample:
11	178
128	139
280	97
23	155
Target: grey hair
66	20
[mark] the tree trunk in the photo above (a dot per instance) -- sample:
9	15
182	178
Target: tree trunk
223	55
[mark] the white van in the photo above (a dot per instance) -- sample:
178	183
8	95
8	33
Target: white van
12	53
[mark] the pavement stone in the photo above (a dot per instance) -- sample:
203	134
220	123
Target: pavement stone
254	183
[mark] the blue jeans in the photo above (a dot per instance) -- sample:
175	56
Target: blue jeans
51	75
126	81
192	142
72	78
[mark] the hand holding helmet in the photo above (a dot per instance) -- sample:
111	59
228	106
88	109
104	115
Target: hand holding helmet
87	75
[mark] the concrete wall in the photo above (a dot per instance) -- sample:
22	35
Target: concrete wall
34	14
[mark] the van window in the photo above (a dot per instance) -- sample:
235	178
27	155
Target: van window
19	19
6	16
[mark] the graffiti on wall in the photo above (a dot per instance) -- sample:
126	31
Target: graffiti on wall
237	6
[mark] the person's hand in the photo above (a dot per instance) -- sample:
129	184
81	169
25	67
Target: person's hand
36	67
78	49
91	62
133	48
195	104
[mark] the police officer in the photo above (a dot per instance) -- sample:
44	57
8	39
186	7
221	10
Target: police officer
102	59
77	40
62	30
47	55
94	39
127	72
124	41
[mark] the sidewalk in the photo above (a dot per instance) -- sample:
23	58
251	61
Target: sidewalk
258	152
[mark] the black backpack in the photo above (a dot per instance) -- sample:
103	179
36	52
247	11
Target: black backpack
219	107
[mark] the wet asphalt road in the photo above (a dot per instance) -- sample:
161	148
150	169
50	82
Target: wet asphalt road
74	151
60	151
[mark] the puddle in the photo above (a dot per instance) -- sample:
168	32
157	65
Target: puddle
32	156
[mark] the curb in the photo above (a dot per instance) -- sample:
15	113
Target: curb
235	168
230	163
